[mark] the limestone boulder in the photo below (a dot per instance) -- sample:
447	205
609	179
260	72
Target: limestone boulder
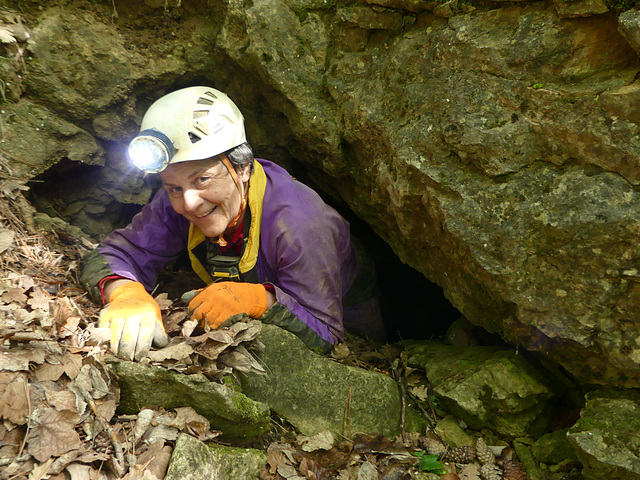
195	460
487	387
229	411
315	394
606	437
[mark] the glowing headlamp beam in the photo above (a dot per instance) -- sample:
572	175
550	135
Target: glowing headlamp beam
151	151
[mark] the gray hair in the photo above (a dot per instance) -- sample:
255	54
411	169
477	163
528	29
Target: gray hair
240	156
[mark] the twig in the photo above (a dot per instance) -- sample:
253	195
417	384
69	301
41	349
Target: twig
26	337
26	435
403	396
346	419
118	461
63	462
8	461
27	215
433	410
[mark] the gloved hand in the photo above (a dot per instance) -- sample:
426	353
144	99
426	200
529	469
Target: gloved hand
135	321
222	300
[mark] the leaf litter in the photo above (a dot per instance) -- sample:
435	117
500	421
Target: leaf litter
58	399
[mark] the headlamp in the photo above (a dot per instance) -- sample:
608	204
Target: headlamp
151	151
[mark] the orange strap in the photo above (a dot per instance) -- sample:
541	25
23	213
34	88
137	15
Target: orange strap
243	205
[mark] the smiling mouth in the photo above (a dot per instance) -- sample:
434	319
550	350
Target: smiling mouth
204	215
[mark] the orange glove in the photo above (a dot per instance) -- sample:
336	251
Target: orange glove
222	300
135	321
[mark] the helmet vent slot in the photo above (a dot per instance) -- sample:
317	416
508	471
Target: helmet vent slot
204	101
210	94
200	113
194	138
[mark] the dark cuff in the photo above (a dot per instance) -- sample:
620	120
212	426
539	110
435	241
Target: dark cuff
94	269
279	315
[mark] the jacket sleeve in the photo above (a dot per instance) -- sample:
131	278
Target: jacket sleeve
312	264
156	236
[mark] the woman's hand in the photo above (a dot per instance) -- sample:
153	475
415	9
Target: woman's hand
221	300
134	318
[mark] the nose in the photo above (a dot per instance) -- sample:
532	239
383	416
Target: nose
192	200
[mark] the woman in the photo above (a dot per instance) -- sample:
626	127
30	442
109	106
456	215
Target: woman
266	245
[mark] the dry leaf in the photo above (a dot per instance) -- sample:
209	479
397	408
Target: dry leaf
14	405
49	373
421	392
72	364
23	281
143	422
53	434
62	400
6	237
15	294
40	300
5	35
162	432
78	471
240	359
288	472
320	441
106	408
140	472
13	362
39	471
470	471
163	301
98	336
340	351
368	471
70	327
178	351
187	417
156	458
188	327
449	476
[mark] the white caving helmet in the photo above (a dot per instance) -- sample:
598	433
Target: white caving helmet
189	124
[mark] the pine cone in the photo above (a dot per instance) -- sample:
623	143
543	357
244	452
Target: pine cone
102	444
464	454
513	471
491	472
484	453
433	446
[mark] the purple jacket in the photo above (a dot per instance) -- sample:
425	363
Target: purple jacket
305	250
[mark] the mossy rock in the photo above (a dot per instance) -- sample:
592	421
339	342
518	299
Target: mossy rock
607	437
315	393
227	410
195	460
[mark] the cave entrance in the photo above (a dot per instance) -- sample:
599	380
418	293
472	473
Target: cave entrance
412	306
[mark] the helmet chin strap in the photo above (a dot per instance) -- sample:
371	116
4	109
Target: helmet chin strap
243	200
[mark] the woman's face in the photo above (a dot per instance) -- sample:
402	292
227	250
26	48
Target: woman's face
204	192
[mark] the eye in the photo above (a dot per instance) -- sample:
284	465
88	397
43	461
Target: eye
201	181
174	191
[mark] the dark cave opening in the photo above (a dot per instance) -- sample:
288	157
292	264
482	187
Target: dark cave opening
412	306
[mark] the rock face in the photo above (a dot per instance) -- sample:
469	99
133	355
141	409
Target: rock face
495	149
